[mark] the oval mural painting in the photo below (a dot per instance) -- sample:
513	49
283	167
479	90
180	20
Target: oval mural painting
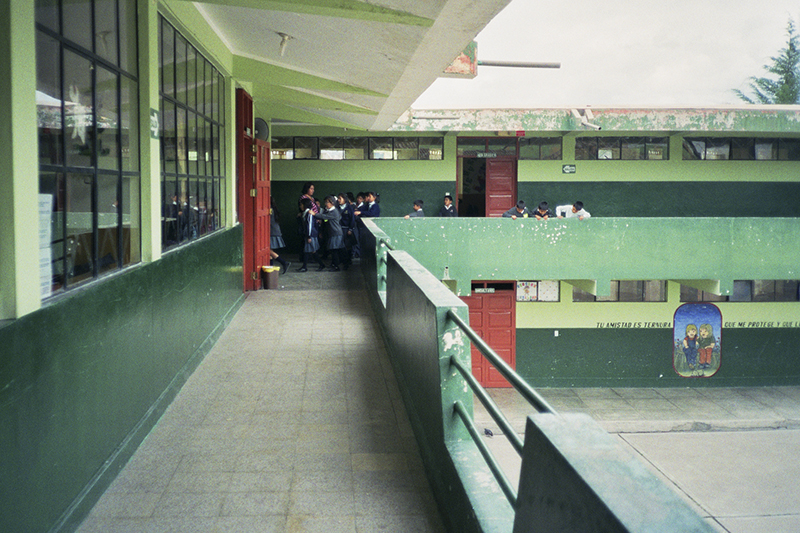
697	335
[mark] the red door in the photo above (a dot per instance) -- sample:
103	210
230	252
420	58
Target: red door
501	186
493	316
262	204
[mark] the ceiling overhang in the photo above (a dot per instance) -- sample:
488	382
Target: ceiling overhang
343	62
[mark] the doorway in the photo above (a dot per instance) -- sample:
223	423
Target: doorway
492	314
488	186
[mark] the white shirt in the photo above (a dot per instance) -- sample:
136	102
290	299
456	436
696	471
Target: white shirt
566	212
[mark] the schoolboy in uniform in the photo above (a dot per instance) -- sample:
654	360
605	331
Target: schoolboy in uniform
417	212
543	212
448	210
518	210
575	210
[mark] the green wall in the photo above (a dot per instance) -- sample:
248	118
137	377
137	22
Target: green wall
591	357
83	379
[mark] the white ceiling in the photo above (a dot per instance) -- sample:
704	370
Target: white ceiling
348	62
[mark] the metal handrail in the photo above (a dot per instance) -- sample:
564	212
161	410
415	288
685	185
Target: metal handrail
494	466
527	392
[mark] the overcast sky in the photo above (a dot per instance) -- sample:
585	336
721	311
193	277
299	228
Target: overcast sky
620	53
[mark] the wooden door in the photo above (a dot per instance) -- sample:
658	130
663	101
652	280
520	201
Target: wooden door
262	204
493	317
501	186
245	169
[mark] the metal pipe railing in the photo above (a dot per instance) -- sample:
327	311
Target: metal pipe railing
494	466
527	392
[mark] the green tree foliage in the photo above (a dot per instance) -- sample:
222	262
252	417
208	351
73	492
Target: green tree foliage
784	86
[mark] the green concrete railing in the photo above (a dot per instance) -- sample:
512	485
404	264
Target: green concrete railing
595	251
565	459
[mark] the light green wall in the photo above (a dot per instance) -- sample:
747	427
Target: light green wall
19	182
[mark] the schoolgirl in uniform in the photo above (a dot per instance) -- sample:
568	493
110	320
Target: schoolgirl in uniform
309	232
333	218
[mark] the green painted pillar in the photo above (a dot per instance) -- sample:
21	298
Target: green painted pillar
19	178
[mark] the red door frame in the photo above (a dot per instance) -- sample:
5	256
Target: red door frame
494	317
253	171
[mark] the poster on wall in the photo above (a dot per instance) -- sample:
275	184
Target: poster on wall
697	337
527	291
45	242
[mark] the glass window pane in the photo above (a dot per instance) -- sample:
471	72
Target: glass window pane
131	221
585	148
192	142
655	291
766	149
107	223
431	148
169	141
471	147
356	148
78	29
306	148
127	36
107	117
742	291
79	242
129	124
608	148
529	149
579	295
78	85
502	146
170	212
789	150
51	184
550	148
787	291
763	290
182	143
631	291
331	148
743	149
191	77
380	148
215	154
690	294
694	149
47	13
167	59
633	148
180	68
208	93
406	148
182	206
48	99
718	149
105	30
658	148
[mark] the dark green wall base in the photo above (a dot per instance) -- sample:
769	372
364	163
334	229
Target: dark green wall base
668	198
83	379
643	358
397	199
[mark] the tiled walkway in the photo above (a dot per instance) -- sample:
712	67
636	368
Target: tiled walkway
292	423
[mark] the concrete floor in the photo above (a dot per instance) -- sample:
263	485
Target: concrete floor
294	423
731	453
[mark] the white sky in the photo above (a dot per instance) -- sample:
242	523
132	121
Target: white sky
620	53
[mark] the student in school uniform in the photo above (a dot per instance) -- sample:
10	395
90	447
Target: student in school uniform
310	234
518	211
575	210
371	208
335	242
448	209
417	212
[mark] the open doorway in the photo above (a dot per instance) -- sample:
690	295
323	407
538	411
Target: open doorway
472	200
488	186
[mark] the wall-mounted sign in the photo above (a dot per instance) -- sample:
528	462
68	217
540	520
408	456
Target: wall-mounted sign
484	290
568	169
154	124
486	154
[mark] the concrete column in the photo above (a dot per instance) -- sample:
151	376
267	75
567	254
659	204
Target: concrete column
150	158
19	175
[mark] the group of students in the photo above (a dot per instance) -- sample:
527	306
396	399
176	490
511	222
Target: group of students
334	222
543	211
447	210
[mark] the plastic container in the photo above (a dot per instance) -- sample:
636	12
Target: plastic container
269	277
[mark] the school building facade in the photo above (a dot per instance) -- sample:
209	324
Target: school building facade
122	241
